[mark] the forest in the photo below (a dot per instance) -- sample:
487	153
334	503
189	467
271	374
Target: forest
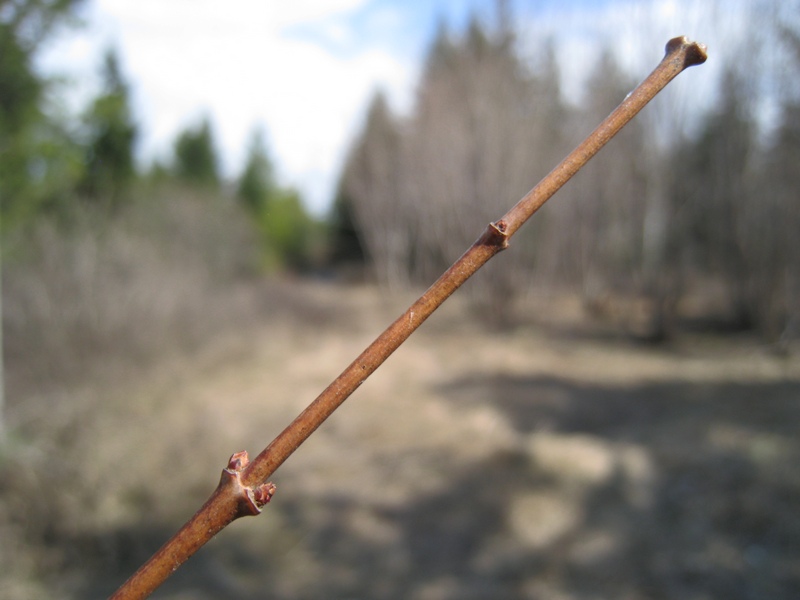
628	367
658	221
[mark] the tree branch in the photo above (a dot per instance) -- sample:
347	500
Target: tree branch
243	489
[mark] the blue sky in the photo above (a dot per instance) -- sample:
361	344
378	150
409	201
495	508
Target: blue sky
302	70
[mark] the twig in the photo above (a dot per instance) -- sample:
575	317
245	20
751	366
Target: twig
243	489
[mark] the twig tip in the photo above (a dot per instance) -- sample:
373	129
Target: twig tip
694	53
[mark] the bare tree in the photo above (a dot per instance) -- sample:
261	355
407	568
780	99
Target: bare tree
484	124
778	221
640	229
714	190
600	223
371	182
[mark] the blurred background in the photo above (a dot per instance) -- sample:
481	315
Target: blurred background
208	209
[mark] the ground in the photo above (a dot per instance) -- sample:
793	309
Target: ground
553	460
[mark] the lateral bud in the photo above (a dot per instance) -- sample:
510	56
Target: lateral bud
495	235
249	500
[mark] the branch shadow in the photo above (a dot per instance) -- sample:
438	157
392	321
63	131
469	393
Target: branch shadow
663	490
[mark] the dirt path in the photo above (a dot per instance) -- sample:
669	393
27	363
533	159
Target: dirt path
518	464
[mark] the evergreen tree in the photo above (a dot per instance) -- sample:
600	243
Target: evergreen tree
38	161
20	97
344	242
287	232
195	156
256	182
111	136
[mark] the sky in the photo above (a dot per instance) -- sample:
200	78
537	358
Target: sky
302	71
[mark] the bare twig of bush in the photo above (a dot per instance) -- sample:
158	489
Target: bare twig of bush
91	285
243	489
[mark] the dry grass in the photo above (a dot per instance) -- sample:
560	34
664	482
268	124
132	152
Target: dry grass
546	461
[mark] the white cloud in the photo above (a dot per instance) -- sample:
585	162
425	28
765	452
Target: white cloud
238	63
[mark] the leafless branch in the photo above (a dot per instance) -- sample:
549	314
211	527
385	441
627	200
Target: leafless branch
243	488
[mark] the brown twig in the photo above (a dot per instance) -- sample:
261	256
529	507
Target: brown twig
243	489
